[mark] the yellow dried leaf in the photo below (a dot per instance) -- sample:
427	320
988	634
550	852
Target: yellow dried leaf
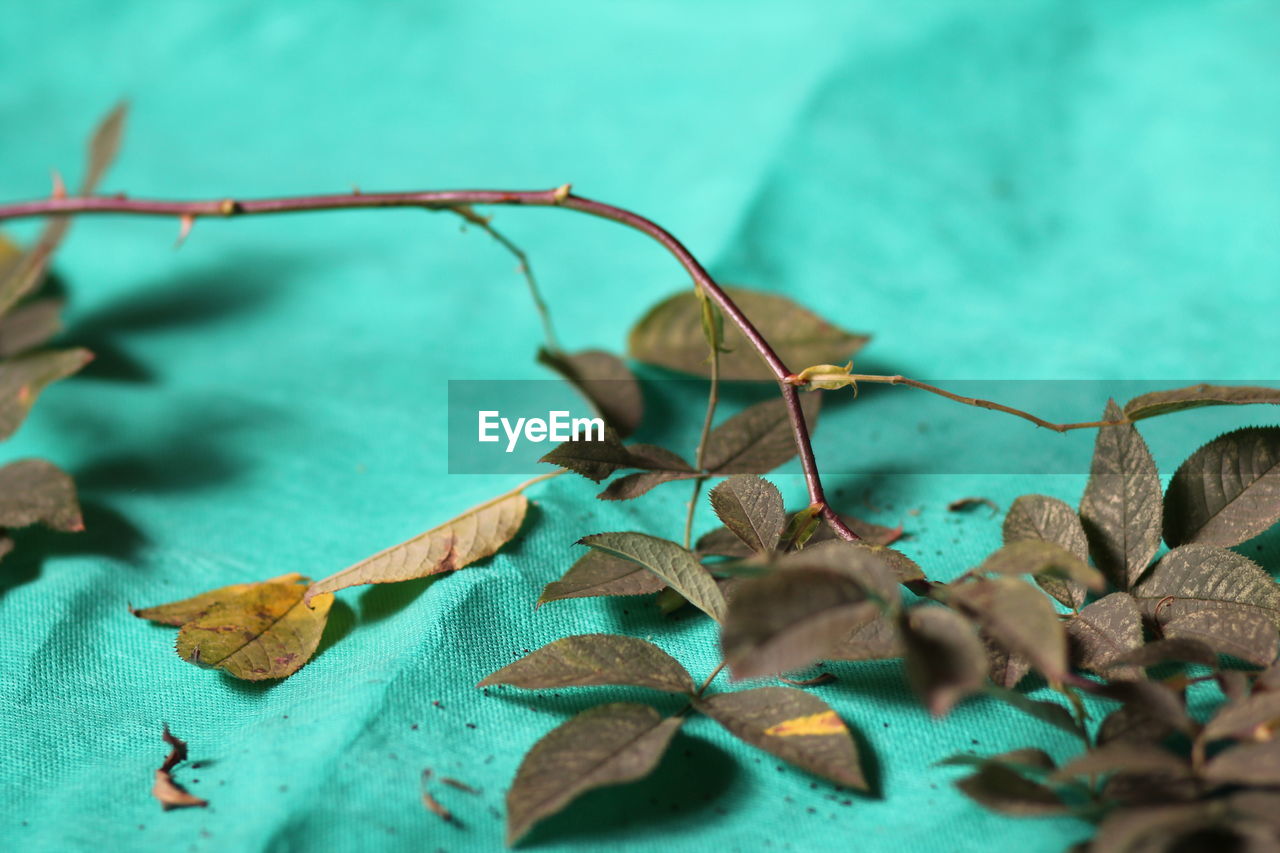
824	723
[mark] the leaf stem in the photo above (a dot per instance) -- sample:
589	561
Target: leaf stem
710	678
713	399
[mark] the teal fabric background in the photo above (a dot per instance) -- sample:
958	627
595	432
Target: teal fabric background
1025	190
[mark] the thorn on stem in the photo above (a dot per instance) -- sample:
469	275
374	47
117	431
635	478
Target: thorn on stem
562	192
187	221
59	188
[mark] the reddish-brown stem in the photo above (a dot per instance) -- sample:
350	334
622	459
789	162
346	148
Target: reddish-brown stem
453	200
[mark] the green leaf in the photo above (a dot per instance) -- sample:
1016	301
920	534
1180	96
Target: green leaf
1227	491
1038	557
595	659
945	660
23	378
670	335
675	565
605	381
1202	577
1252	719
29	325
602	746
598	574
1122	503
1251	637
1194	396
752	508
1050	520
1018	617
796	726
32	490
757	439
1105	631
263	631
1247	764
459	542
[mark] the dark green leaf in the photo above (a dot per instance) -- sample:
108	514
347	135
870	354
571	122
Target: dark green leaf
1202	577
752	508
1104	631
678	567
1038	557
597	573
757	439
1051	520
671	335
594	659
32	490
1017	617
793	725
1253	718
1046	712
1227	491
1125	757
1122	503
606	382
1247	764
945	660
23	378
1251	637
1004	790
29	325
1194	396
602	746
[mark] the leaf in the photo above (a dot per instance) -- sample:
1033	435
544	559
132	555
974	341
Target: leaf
1194	396
104	145
1125	757
606	382
170	794
675	565
1004	790
1247	764
23	378
594	460
670	335
757	439
865	565
634	485
945	660
602	746
29	325
32	490
596	574
1157	701
1179	649
459	542
594	659
1251	637
265	631
1227	491
1251	719
1005	668
1046	712
1050	520
1106	630
1018	617
1132	723
1161	829
1202	577
752	508
878	639
1037	557
796	726
178	613
1122	503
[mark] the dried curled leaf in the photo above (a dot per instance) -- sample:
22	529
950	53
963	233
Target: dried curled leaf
671	335
757	439
945	659
459	542
23	378
1194	396
1227	491
598	574
1122	504
170	794
1050	520
605	745
32	490
796	726
606	382
594	659
675	565
264	631
1018	617
752	508
1202	577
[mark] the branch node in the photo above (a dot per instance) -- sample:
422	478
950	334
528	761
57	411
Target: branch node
228	207
562	192
59	188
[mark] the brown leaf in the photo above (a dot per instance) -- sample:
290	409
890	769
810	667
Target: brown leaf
1164	650
606	382
170	794
675	565
178	613
1253	718
29	325
1038	557
796	726
1050	520
1004	790
1194	396
1017	617
1122	503
23	378
1157	701
1202	577
1227	491
1251	637
32	490
878	639
1106	630
757	439
602	746
945	660
752	509
595	659
1005	668
1125	757
598	574
1247	764
1132	723
634	485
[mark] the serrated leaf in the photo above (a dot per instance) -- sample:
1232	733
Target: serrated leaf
595	659
670	335
264	631
1194	396
675	565
1166	649
177	613
1018	617
757	439
796	726
1246	764
1251	637
1227	491
1125	757
23	378
945	660
1004	790
29	325
634	485
594	460
1038	557
752	509
1051	520
1202	577
1122	503
32	490
603	746
599	574
1050	713
723	542
606	382
1106	630
1255	717
459	542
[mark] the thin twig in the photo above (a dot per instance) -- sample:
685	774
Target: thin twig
713	399
710	678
